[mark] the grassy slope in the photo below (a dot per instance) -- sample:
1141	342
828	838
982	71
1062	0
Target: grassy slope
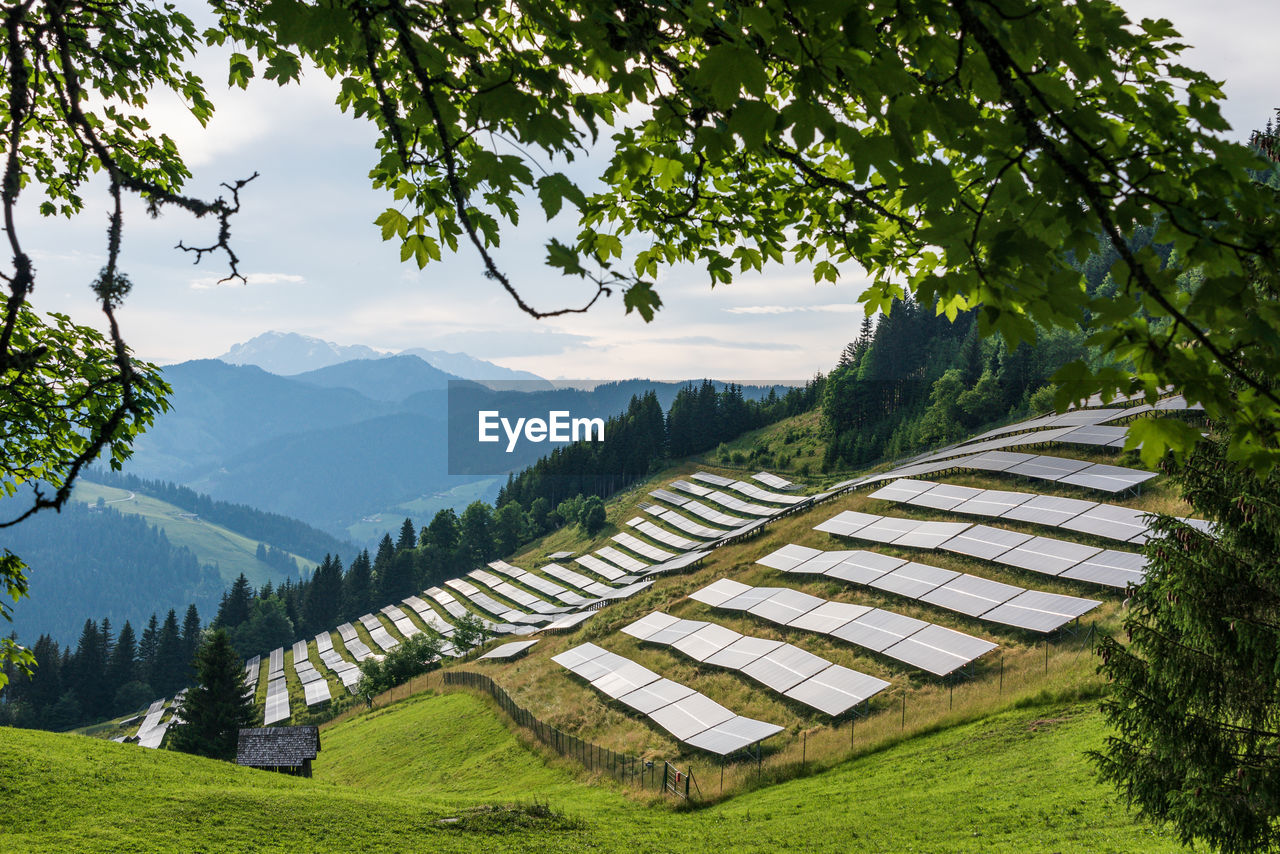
232	552
1013	782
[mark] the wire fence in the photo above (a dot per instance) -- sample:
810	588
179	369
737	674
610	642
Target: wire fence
658	775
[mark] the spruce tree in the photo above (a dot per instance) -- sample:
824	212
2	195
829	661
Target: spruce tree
235	608
1196	698
357	586
169	673
408	537
121	670
190	639
147	648
218	706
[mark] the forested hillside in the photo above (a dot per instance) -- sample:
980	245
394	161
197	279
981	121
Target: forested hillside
281	532
94	560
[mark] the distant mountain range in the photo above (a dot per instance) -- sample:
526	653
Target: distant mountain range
352	448
289	354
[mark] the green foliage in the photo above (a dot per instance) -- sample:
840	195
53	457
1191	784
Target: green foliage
1196	698
218	706
417	655
468	633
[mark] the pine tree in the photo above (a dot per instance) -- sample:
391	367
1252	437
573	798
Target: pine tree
357	585
1195	699
147	649
87	675
408	537
190	640
235	608
121	670
322	604
218	706
169	671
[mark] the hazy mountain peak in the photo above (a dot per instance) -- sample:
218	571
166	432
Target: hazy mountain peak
288	353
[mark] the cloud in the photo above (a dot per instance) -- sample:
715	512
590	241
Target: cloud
830	308
209	283
722	343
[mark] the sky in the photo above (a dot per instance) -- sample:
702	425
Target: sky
316	264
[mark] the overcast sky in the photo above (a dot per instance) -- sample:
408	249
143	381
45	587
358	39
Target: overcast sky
317	265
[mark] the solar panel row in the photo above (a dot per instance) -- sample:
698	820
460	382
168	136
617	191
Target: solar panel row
918	643
1038	554
787	669
690	717
1098	476
961	592
277	705
378	632
1111	521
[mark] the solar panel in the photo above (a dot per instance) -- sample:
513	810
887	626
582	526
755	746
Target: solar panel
571	658
669	497
666	537
569	621
930	535
451	605
625	679
277	703
785	667
886	529
939	650
378	631
996	460
650	624
714	516
846	523
1048	510
1049	556
706	641
983	541
970	594
401	621
773	480
784	606
316	692
600	666
1110	521
1039	611
732	503
944	496
719	591
599	567
509	650
1109	478
677	630
428	615
749	598
836	689
877	630
655	696
560	556
914	579
642	548
488	579
992	502
690	716
734	734
568	576
1111	568
742	652
1048	468
713	479
691	488
1095	434
686	524
863	567
275	669
620	559
752	491
903	489
828	617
